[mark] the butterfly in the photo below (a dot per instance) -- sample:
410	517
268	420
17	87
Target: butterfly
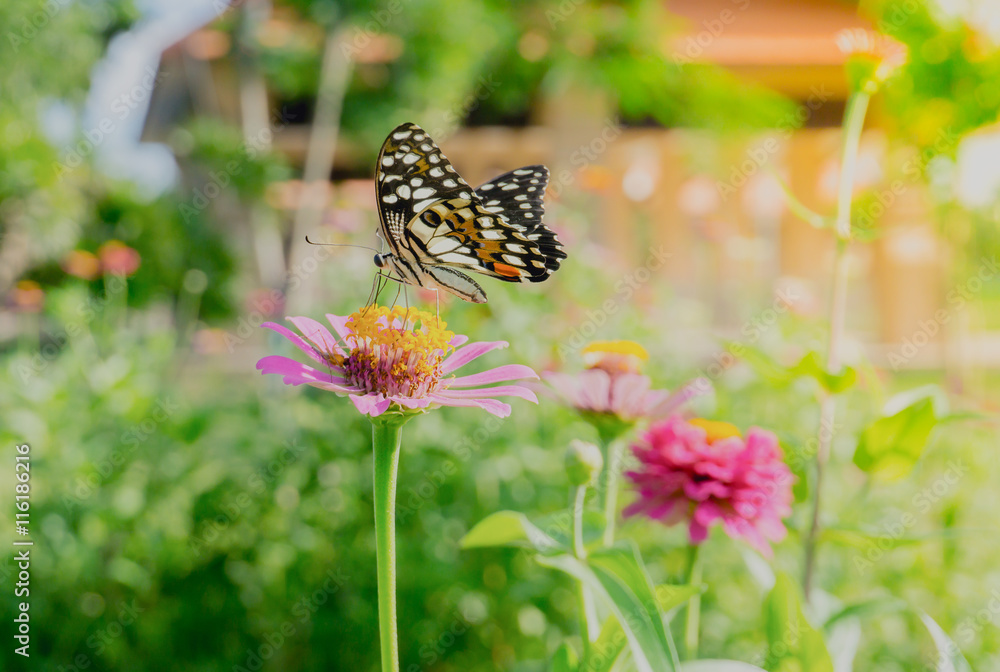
436	225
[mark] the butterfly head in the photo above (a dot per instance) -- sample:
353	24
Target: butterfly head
382	260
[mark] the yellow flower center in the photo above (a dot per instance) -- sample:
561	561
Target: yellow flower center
715	430
397	351
615	356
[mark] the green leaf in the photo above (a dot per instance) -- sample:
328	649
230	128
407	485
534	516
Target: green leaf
800	209
799	460
890	446
812	366
509	528
864	609
671	596
604	652
565	660
793	644
862	538
559	526
624	566
719	666
762	364
950	658
617	578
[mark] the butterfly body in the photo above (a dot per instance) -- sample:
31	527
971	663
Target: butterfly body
436	225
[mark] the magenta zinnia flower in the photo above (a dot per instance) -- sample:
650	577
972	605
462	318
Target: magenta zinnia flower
703	472
384	358
613	385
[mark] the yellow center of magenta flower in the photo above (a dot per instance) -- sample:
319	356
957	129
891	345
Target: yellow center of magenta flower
397	351
615	356
715	430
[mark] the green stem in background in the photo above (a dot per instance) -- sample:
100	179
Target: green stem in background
581	496
189	303
115	303
585	599
854	121
612	461
386	435
693	621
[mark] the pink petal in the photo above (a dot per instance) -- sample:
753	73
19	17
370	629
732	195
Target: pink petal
484	392
697	532
370	404
628	390
497	375
595	389
458	340
470	352
566	385
410	402
696	387
339	325
342	390
297	341
497	408
297	373
316	333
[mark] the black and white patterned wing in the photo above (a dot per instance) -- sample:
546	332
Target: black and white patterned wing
412	174
517	198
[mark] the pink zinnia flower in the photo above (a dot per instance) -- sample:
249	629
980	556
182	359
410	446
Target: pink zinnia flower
704	472
612	384
381	359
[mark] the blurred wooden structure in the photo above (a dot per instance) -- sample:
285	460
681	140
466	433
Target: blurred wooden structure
712	202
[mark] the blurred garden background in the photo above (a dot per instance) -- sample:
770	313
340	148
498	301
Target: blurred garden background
161	163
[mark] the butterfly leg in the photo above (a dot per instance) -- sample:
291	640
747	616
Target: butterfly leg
396	298
373	295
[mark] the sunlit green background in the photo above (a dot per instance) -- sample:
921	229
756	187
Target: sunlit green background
189	514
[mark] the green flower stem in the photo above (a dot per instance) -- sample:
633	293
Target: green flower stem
386	435
612	461
854	121
585	599
581	497
691	625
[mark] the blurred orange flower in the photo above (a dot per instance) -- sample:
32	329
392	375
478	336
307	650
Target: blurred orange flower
82	264
27	297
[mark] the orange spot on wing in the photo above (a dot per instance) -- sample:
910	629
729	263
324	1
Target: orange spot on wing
507	271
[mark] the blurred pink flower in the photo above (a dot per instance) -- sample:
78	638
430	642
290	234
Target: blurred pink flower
613	385
383	361
703	472
267	302
117	258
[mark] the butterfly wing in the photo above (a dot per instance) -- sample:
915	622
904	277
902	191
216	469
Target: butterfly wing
517	198
411	174
461	233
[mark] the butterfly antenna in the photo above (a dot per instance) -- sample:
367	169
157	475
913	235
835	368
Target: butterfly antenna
363	247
